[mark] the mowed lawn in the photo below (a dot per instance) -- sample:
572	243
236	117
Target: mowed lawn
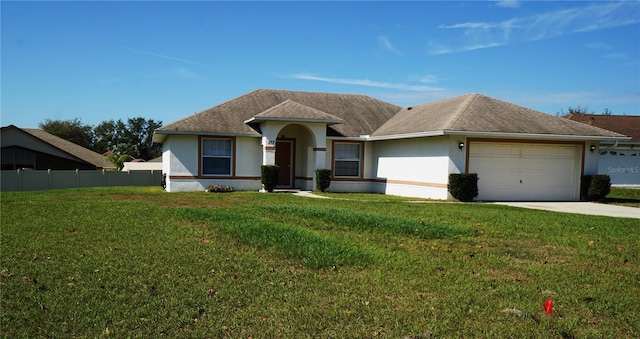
140	262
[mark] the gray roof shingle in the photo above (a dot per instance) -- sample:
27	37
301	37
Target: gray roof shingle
75	150
361	114
293	111
479	113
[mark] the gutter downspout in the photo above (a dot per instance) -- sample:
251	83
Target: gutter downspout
610	147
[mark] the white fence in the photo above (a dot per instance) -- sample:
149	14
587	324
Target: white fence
45	180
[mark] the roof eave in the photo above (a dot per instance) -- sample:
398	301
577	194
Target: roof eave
537	136
161	136
302	120
405	135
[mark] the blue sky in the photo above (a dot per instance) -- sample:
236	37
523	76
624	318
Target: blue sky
165	60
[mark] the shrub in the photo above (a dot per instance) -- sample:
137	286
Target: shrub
323	179
219	189
269	175
595	187
463	186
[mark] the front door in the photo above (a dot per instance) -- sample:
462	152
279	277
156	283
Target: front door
284	160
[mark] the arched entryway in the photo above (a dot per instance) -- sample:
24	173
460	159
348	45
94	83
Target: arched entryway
294	156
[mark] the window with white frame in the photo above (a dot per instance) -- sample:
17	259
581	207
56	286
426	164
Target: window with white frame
217	156
346	159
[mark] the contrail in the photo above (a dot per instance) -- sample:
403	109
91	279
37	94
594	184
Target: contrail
164	56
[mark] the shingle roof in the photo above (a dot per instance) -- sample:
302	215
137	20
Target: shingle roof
293	111
628	125
361	114
479	113
75	150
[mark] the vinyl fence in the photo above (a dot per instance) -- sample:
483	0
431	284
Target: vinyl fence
45	180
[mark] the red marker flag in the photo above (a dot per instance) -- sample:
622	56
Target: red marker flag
548	306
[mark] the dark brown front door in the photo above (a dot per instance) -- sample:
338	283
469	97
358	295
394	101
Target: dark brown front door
284	152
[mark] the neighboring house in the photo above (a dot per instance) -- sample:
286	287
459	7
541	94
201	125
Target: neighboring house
620	159
374	146
141	165
26	148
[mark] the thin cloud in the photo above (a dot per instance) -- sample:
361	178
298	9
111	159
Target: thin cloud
508	3
364	82
599	45
164	56
429	79
386	44
598	16
437	49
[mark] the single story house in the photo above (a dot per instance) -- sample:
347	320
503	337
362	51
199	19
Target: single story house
34	149
374	146
620	159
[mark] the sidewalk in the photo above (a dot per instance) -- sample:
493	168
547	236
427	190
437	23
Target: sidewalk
589	208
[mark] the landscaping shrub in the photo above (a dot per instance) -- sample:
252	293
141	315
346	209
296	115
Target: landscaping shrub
595	187
220	189
463	186
269	175
323	179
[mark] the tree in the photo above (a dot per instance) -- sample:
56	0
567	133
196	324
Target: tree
72	130
135	138
106	136
575	110
118	161
581	111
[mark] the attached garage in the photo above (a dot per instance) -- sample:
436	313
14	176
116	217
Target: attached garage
526	170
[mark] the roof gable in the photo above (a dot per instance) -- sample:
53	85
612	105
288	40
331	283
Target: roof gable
479	113
293	111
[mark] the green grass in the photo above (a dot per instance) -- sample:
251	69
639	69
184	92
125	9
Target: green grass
624	196
125	262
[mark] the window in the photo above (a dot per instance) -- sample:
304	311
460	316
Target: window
216	156
346	159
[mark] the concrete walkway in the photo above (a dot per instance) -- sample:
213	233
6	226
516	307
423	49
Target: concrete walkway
589	208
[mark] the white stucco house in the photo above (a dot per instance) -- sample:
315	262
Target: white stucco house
374	146
620	159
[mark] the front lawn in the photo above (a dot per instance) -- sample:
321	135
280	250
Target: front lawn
124	262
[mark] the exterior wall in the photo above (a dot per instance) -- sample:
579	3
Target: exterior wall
417	167
590	158
180	159
248	157
622	164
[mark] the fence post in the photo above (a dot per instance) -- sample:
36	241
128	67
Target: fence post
77	178
19	181
104	178
49	179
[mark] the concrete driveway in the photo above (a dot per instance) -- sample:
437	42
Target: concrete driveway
590	208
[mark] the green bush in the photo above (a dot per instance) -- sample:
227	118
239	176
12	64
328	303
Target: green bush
269	175
595	187
323	179
463	186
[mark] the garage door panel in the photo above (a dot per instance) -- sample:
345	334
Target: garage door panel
525	171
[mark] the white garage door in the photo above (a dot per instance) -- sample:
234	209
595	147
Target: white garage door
525	171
